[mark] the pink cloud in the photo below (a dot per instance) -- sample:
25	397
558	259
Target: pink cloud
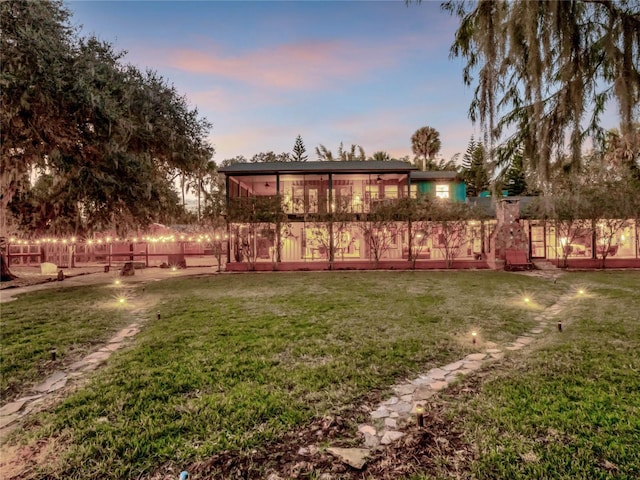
302	65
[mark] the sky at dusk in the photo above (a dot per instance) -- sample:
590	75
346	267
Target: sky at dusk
361	72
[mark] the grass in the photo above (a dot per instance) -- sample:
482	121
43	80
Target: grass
238	360
571	408
71	320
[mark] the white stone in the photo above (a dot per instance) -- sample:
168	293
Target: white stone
404	389
11	408
524	340
390	423
371	441
436	374
51	380
537	330
493	350
438	385
391	436
366	429
391	401
472	365
423	393
381	412
354	457
402	407
475	356
452	366
498	355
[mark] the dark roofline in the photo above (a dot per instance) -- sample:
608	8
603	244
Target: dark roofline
318	167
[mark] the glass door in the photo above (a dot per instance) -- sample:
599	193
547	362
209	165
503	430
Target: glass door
538	241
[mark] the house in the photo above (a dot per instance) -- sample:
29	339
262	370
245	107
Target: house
440	183
319	215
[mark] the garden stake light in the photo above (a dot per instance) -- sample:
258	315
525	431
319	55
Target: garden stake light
158	315
559	325
54	353
473	337
419	416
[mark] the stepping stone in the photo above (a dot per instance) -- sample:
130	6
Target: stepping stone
401	407
354	457
406	398
493	350
97	357
537	330
11	408
543	324
8	419
452	366
497	355
472	365
420	381
393	415
391	401
381	412
490	344
436	374
371	441
404	389
366	429
424	393
517	346
58	385
437	386
475	357
390	437
50	381
390	423
464	371
524	340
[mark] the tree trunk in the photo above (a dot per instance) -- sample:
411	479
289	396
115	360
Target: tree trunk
6	276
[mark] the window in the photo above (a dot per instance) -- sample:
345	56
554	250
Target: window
390	191
442	191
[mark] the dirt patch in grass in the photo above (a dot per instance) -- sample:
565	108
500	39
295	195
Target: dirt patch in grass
21	461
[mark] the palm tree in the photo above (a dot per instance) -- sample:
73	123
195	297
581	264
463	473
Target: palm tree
380	156
425	143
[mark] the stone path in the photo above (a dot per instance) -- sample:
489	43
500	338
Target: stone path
12	413
388	419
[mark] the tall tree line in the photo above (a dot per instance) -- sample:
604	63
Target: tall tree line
545	70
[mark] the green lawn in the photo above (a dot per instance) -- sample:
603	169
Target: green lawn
238	360
74	321
571	408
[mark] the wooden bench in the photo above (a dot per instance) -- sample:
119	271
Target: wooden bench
517	260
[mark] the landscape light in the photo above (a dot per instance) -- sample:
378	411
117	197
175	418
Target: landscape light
473	337
173	269
526	299
559	325
581	291
121	299
117	281
419	416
